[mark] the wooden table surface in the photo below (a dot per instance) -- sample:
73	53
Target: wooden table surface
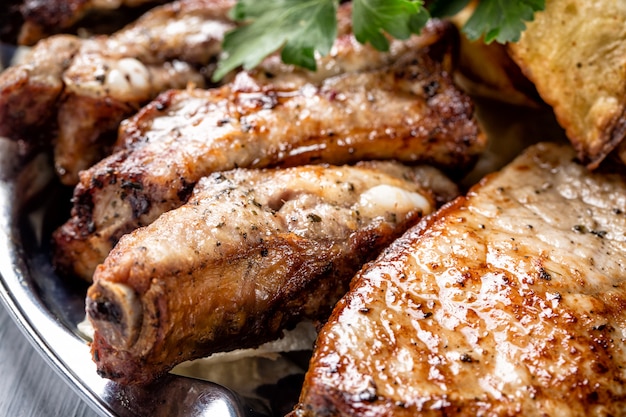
28	385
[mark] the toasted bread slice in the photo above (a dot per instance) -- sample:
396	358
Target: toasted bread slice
575	53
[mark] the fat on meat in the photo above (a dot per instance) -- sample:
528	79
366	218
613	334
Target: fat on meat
507	302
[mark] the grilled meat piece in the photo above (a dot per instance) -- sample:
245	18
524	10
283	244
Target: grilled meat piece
410	112
29	92
252	253
114	76
88	121
93	84
507	302
43	18
575	54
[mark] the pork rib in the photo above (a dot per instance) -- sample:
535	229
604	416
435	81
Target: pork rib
252	253
28	92
509	302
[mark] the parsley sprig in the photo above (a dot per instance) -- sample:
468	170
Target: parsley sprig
495	20
302	28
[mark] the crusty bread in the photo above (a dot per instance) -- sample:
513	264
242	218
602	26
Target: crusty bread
575	53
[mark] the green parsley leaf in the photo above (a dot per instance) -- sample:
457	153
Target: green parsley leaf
371	19
299	27
501	20
302	28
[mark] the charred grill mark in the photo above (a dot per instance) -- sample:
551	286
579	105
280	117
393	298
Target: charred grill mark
185	190
131	185
224	121
431	89
82	213
544	275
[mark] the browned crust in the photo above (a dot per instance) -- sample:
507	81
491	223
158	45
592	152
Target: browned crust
613	134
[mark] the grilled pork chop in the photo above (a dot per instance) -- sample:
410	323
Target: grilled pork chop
93	84
252	253
410	111
507	302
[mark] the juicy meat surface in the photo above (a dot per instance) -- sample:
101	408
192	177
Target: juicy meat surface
507	302
575	54
252	253
410	111
85	91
